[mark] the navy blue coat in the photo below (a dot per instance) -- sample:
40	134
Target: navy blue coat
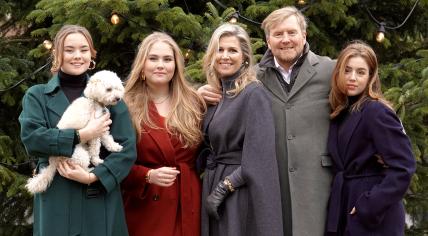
375	190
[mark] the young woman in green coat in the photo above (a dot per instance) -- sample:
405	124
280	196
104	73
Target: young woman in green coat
77	202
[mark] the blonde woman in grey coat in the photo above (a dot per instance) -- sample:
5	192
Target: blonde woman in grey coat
241	194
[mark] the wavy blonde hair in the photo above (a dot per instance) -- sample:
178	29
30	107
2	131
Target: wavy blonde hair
58	52
338	95
247	74
186	114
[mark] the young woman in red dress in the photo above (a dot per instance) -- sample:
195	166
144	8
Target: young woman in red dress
162	192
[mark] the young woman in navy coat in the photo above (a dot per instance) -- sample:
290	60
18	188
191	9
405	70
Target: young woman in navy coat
372	155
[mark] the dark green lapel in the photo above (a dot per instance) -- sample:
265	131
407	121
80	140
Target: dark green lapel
56	100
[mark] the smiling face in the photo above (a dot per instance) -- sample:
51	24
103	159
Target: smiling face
159	66
286	40
76	55
356	76
229	56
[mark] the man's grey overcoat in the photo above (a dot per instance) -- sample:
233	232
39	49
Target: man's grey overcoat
301	129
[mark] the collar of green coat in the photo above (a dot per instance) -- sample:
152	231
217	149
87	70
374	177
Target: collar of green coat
52	85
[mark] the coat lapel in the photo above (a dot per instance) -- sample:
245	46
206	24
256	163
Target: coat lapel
272	84
307	71
161	137
56	101
208	118
333	144
348	130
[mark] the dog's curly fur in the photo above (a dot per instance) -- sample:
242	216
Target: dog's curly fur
104	88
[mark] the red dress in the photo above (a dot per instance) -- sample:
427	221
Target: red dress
156	210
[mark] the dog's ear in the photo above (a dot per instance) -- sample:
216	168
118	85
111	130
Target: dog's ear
93	82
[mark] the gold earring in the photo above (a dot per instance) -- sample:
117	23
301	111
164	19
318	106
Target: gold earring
143	77
93	65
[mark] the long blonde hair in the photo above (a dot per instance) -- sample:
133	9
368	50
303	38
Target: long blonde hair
247	74
58	52
338	95
187	107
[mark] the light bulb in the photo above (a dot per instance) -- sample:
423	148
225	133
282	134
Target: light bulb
47	44
234	18
301	2
115	19
380	36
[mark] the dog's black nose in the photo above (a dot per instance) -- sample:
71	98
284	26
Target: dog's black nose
117	99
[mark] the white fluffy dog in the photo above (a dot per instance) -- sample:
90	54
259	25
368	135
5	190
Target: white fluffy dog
104	88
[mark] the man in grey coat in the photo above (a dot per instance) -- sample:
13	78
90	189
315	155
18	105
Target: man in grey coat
299	83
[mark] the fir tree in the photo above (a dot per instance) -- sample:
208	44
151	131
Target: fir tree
403	55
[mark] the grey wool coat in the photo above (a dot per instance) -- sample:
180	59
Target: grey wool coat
301	129
65	208
242	134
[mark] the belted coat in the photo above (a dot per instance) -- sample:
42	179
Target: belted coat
155	210
241	133
65	208
375	190
301	128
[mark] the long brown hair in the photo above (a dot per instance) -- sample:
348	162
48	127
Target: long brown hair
185	118
58	49
338	96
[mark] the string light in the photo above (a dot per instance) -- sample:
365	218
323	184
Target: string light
380	35
47	44
115	19
187	54
30	76
239	16
234	18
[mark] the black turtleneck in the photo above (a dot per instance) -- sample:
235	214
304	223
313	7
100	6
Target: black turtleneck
228	83
72	85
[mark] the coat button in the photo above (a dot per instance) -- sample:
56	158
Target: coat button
291	169
290	137
156	197
288	106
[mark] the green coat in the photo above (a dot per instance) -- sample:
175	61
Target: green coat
64	208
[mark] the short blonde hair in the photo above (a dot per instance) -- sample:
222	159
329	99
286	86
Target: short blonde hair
58	51
247	71
282	14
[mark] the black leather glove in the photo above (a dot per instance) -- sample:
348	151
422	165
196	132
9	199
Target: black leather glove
216	197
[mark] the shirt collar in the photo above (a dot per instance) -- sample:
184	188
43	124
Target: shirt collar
278	66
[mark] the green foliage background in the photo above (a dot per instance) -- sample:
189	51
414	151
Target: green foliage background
25	24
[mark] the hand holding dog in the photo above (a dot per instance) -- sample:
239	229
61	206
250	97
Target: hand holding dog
95	127
75	172
164	176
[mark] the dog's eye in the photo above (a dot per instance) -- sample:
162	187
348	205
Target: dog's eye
108	90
